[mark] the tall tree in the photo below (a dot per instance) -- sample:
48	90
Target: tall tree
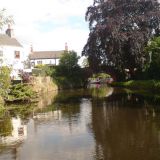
5	19
68	73
153	49
119	30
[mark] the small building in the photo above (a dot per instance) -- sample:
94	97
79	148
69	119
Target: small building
11	51
46	57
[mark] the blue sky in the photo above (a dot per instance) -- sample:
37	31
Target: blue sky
48	24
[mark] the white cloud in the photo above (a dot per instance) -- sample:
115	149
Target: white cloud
33	17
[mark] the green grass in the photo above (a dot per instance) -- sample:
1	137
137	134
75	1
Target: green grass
152	85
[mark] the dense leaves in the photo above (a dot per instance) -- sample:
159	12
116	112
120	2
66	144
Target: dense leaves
5	81
21	92
68	73
119	30
153	49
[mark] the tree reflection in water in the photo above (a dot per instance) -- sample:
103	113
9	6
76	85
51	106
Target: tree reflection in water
99	123
125	127
100	91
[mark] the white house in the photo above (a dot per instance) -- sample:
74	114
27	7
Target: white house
10	51
46	57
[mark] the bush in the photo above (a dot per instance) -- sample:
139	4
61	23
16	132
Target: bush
153	49
68	73
38	72
25	77
146	85
5	81
46	70
20	92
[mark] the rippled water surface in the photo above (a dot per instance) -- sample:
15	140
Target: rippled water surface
99	123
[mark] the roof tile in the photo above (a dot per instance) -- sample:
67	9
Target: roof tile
46	55
7	41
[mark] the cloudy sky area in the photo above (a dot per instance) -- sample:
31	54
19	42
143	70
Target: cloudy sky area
48	24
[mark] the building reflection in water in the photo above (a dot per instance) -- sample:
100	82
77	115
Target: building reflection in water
46	99
95	124
51	115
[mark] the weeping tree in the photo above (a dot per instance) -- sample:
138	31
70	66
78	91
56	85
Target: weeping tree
119	31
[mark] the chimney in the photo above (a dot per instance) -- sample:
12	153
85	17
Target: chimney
66	47
9	31
31	49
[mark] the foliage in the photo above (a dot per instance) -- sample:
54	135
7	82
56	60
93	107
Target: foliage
21	92
2	111
101	75
43	70
5	81
146	85
99	92
119	31
5	19
68	73
153	49
6	127
20	110
25	77
38	72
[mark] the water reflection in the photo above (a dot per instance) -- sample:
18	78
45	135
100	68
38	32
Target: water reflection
46	99
122	130
100	91
99	123
13	131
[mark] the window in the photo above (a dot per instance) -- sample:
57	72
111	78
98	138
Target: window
17	54
1	53
39	62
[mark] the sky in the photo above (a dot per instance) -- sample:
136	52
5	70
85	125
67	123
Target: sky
49	24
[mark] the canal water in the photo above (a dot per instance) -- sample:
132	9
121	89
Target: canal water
99	123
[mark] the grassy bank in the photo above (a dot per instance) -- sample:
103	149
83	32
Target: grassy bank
42	84
152	85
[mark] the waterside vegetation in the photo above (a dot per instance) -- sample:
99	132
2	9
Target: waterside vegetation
149	85
68	74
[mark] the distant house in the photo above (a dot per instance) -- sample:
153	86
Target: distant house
46	57
10	51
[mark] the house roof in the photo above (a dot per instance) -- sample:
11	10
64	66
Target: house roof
46	55
5	40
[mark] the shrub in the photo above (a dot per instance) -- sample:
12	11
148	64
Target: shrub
5	81
68	73
21	92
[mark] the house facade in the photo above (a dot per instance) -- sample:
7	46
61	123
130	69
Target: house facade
46	57
10	51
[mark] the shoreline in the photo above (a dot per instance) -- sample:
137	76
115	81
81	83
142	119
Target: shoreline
146	85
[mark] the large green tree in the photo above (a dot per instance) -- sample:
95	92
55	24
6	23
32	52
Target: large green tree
68	73
153	50
119	31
